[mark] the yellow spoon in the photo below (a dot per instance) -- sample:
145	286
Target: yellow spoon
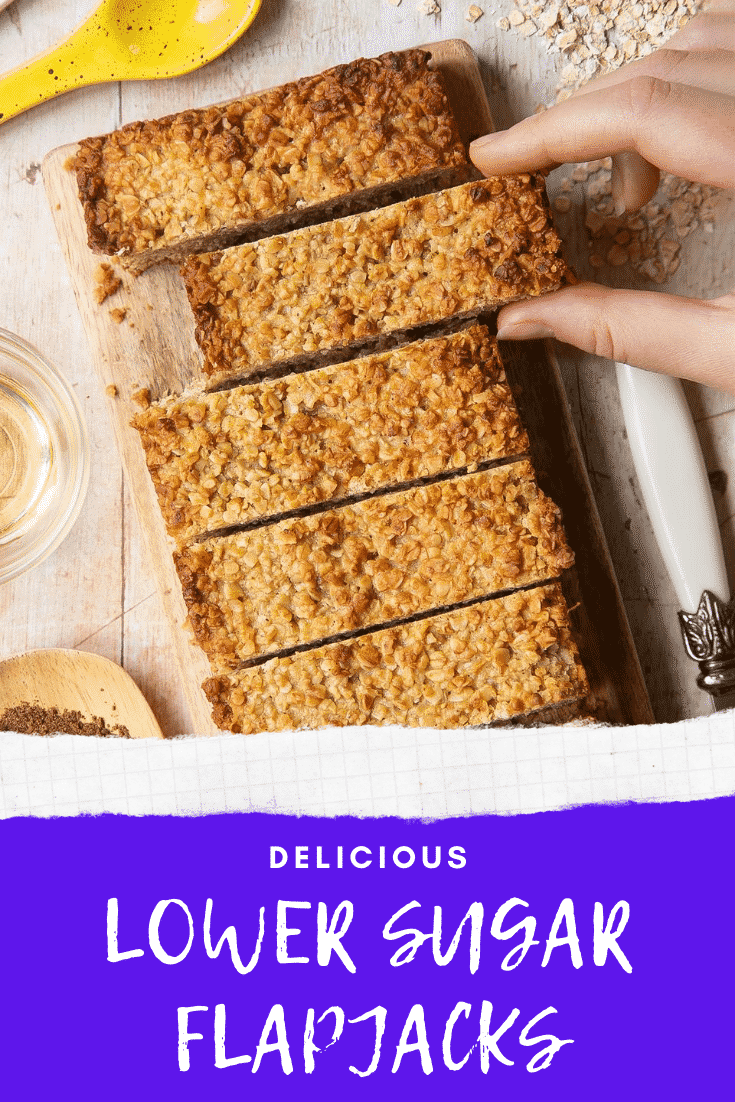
129	40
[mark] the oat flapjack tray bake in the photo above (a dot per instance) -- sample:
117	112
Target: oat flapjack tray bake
286	299
234	457
309	297
480	664
319	146
382	559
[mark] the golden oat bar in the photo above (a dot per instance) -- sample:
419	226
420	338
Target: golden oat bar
383	559
202	179
324	288
489	662
237	456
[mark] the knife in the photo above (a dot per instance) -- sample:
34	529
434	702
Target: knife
677	494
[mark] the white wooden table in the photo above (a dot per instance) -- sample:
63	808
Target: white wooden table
96	592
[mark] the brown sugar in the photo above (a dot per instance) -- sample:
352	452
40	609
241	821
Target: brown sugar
32	719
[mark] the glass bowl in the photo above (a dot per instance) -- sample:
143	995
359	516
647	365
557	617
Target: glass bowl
44	457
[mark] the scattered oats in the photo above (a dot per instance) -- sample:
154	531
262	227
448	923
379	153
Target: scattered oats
599	35
562	203
617	256
594	222
429	7
395	3
651	237
679	212
503	24
111	390
669	249
547	19
118	315
566	184
635	251
527	29
581	172
565	40
474	13
598	186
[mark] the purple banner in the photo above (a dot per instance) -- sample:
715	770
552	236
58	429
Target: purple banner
257	956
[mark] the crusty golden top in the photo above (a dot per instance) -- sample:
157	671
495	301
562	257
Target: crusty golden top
237	456
355	126
421	261
478	664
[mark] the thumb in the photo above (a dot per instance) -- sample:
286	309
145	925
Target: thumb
677	336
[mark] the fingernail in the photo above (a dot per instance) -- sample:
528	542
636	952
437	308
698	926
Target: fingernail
523	331
485	141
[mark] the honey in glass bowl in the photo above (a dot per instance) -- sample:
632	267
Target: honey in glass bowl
44	457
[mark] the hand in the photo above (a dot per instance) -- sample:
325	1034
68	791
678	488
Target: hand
672	111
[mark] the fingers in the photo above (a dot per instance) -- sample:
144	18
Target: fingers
710	30
684	130
710	69
634	181
677	336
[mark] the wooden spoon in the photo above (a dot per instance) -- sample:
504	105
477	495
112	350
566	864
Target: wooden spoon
129	40
75	681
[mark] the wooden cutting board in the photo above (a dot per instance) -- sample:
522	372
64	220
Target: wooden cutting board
154	347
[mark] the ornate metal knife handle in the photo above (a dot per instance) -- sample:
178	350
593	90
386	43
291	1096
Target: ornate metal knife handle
709	638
